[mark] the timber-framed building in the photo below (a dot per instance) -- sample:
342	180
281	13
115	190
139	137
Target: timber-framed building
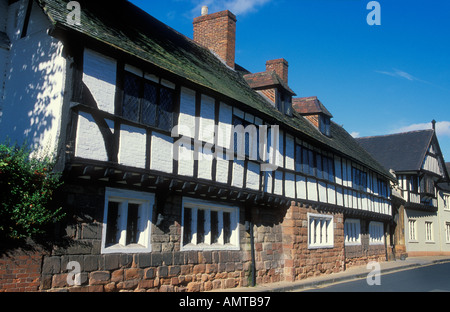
182	170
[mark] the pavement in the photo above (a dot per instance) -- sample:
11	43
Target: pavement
353	273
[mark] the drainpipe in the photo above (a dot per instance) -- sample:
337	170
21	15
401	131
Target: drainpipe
385	242
252	246
249	226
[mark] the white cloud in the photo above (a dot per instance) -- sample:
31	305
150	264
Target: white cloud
400	74
355	134
442	128
237	7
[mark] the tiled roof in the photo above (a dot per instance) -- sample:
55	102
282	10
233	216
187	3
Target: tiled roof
400	152
125	27
265	80
309	105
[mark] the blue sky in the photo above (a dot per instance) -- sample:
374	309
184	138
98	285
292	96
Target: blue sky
375	80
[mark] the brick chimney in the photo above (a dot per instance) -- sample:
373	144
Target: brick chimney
217	32
279	66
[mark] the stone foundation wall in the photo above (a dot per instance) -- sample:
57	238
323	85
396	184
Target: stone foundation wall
281	252
302	262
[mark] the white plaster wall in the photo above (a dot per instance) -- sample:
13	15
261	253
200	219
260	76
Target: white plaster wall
161	153
289	185
186	119
301	186
444	218
16	16
268	181
222	169
185	159
132	146
225	127
331	194
279	151
290	147
34	83
253	176
339	196
322	192
312	189
99	75
89	141
205	165
421	245
238	173
206	131
278	186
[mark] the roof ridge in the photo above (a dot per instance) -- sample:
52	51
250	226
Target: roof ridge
394	134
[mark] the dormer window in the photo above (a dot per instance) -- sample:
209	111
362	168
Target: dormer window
324	124
314	111
272	84
284	104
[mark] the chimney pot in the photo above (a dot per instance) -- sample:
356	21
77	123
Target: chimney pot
204	10
217	32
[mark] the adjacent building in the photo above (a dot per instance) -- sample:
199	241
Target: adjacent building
422	214
182	170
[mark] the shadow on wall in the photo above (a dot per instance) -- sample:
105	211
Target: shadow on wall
33	92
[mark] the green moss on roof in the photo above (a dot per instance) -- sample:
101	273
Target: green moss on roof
126	27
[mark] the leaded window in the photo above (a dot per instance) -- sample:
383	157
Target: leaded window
147	102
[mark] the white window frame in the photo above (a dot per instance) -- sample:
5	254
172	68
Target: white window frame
197	204
146	202
320	231
376	233
429	235
447	232
446	200
352	232
412	230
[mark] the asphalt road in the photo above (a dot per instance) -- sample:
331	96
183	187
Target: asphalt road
431	278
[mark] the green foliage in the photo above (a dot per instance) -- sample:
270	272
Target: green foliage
27	186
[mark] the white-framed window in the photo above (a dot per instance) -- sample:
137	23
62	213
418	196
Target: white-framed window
412	230
429	237
127	221
352	232
209	226
447	232
376	233
320	231
446	199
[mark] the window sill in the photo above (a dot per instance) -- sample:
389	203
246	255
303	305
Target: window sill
353	244
203	247
133	248
321	247
376	244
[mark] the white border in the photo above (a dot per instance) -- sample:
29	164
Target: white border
142	197
235	212
321	216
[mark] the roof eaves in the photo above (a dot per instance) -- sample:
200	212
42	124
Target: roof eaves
204	70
